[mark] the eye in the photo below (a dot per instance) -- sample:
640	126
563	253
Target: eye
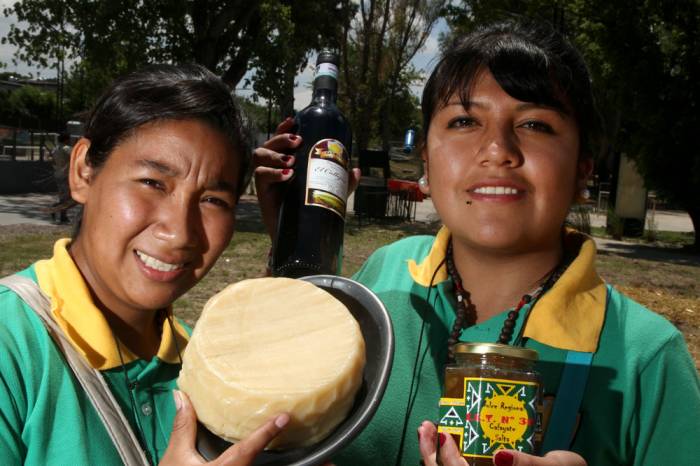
461	122
217	202
539	126
152	183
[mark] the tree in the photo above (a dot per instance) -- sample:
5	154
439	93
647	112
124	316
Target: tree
377	46
108	38
644	58
114	37
27	107
291	30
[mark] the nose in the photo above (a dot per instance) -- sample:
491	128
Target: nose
499	147
179	223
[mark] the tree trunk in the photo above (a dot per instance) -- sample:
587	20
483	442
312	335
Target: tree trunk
286	104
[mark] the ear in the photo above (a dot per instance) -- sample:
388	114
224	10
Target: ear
424	187
81	173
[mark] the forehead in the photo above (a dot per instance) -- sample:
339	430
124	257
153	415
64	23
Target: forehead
180	146
486	93
539	91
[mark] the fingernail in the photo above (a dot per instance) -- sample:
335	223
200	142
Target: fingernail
293	137
178	400
286	158
503	458
282	420
441	438
286	171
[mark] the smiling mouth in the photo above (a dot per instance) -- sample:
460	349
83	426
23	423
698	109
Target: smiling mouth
153	263
496	190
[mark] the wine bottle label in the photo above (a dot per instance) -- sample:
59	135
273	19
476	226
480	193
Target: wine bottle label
327	69
327	176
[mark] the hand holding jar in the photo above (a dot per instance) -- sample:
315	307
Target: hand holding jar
491	402
450	456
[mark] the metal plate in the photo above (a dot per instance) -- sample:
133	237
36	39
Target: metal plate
377	331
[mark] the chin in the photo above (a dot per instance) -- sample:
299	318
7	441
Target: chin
495	241
156	299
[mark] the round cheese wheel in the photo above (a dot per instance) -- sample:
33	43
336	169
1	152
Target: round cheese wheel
271	345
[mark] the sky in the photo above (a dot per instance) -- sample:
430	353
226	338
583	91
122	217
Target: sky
423	61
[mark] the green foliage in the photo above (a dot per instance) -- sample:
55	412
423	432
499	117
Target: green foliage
290	31
27	107
105	38
377	46
110	38
254	113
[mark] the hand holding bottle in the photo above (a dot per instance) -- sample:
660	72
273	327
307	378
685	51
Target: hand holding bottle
274	164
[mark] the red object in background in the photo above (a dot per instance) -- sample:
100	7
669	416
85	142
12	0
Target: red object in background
409	187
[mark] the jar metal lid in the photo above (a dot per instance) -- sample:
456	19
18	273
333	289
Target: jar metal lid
496	348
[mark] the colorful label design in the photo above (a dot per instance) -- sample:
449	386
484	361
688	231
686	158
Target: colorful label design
493	414
327	176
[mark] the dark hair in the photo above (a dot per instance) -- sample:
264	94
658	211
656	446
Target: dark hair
531	61
165	92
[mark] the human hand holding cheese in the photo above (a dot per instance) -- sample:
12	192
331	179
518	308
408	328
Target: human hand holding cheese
272	345
181	449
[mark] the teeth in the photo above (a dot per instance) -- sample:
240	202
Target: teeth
497	190
154	263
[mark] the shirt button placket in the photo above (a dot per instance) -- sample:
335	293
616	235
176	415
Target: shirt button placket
146	409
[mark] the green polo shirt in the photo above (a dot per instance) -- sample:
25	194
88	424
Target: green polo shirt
641	405
45	416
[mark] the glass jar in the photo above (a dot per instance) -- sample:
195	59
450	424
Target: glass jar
492	400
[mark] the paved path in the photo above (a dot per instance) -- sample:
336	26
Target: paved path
666	220
26	208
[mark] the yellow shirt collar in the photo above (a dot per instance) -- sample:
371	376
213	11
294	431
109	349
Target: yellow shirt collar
569	316
83	322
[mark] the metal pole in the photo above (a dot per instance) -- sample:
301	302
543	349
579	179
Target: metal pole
14	145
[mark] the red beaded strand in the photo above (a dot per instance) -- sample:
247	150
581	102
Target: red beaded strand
466	311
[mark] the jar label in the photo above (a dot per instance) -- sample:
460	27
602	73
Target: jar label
327	176
493	414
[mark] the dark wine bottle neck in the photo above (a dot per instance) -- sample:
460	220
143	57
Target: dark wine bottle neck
324	95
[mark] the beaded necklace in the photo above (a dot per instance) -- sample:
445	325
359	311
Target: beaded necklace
466	311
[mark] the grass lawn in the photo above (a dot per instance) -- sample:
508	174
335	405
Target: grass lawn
671	288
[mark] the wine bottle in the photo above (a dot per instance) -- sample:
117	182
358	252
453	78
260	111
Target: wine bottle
309	237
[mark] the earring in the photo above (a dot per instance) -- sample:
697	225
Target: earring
585	194
423	182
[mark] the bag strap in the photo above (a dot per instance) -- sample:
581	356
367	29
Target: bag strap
560	432
90	378
561	427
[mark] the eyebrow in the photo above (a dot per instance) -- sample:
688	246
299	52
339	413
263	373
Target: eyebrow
161	167
173	172
220	185
530	105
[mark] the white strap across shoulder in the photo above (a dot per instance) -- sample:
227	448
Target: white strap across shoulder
90	379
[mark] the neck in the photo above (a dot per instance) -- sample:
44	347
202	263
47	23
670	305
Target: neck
141	334
497	282
137	329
